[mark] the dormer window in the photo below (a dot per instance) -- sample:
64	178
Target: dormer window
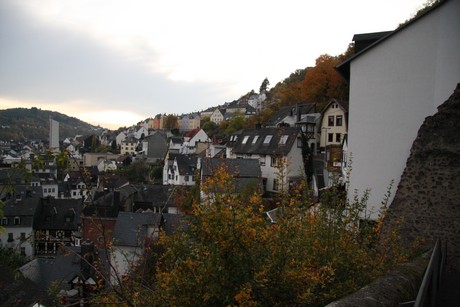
17	220
4	221
267	139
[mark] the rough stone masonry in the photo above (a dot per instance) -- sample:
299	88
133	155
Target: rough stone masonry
427	200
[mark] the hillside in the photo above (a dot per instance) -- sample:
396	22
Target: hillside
21	124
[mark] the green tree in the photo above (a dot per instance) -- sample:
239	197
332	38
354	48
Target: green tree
264	86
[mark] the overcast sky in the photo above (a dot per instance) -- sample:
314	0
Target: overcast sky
114	62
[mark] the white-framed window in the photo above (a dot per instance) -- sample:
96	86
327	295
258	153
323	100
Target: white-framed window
17	220
262	160
254	140
245	139
267	139
4	221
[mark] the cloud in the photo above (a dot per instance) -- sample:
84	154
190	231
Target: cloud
39	62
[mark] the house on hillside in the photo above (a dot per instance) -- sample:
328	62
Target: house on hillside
182	170
195	141
128	146
277	149
56	223
155	147
218	115
334	123
17	220
133	231
395	83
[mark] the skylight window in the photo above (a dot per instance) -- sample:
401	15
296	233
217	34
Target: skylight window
245	140
283	139
255	139
268	138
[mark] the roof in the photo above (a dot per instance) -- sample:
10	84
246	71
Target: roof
242	167
342	103
294	110
62	268
246	172
52	214
187	164
264	141
131	227
344	67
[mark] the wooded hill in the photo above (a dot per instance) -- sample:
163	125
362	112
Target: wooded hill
20	124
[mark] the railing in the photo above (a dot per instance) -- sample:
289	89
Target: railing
428	291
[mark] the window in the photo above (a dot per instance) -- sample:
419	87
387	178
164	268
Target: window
262	160
337	137
186	178
283	139
267	139
23	236
330	121
245	140
254	140
338	120
4	221
23	251
274	161
275	184
330	137
17	220
10	237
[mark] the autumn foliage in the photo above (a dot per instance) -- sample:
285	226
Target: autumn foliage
230	254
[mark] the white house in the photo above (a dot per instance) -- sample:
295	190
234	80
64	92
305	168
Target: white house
277	149
395	83
131	233
217	116
18	216
334	123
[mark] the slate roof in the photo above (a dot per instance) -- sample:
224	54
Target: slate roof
246	172
25	209
131	227
260	146
63	268
295	110
187	164
150	196
52	214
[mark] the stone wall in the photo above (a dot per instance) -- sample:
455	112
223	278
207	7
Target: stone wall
427	200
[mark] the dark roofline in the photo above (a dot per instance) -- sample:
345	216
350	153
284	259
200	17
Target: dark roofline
344	67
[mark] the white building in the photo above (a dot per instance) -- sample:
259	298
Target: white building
395	83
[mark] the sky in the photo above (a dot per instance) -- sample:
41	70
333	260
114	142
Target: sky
114	63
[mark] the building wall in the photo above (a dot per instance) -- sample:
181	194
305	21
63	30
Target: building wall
334	111
393	87
17	244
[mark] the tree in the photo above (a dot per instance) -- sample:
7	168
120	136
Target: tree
323	82
232	255
264	86
170	122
